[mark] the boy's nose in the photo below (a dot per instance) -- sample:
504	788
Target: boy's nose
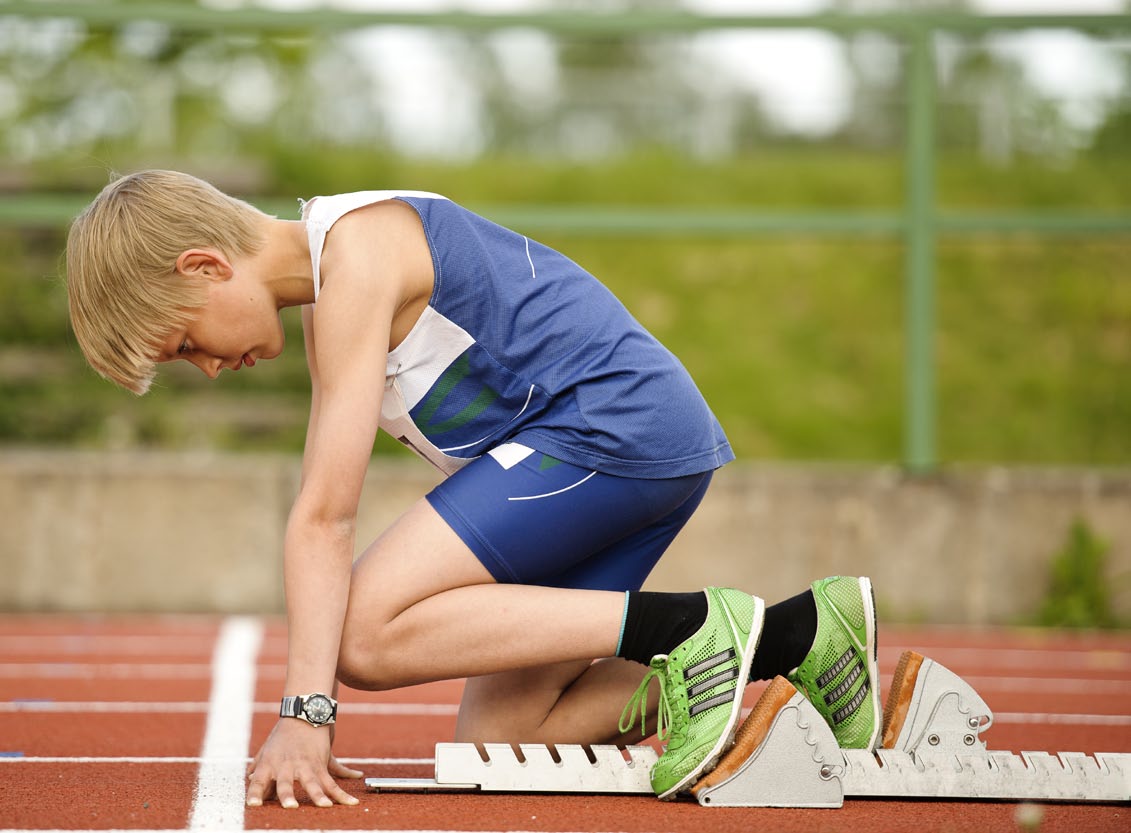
210	366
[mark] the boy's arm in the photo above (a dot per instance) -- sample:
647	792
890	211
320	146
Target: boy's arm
353	319
315	394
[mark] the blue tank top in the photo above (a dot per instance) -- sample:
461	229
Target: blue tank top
520	344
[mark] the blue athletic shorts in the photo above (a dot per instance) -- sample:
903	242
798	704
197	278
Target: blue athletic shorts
532	519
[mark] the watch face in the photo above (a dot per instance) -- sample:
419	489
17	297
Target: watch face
318	708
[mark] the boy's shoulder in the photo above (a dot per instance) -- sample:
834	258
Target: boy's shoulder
327	210
354	237
342	228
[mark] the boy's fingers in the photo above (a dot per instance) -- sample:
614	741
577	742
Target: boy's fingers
286	792
256	793
316	793
339	770
260	787
324	790
335	792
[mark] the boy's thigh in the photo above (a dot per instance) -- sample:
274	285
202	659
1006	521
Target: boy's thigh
417	557
532	519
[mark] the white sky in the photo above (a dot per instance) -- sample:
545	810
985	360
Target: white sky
798	74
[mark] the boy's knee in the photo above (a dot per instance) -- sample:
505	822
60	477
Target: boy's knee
363	665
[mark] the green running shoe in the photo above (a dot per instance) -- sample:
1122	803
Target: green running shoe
701	686
839	676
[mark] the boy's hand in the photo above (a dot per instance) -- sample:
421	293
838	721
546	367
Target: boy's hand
297	751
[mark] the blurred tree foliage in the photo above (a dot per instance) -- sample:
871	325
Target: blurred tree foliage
796	342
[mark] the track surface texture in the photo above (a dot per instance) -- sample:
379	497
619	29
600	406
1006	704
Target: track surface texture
146	723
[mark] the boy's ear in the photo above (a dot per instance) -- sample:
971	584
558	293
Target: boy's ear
204	263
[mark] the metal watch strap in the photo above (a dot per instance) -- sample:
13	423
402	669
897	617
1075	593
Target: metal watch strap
291	707
300	706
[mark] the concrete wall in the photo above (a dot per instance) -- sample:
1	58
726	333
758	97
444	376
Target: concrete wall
161	532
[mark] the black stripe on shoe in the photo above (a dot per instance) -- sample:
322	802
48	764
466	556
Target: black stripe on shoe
852	706
709	663
726	698
712	681
846	684
836	668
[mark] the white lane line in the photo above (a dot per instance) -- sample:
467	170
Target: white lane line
1038	719
994	683
113	670
173	645
1039	659
1051	685
123	670
219	798
288	830
172	759
1110	659
178	707
1003	661
125	644
1044	719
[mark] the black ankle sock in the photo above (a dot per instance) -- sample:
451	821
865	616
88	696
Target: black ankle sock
787	636
655	623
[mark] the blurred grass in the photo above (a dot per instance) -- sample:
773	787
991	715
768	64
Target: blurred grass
796	342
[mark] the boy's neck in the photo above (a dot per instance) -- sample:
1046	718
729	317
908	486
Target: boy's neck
284	263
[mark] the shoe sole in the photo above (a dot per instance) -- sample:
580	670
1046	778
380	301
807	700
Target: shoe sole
751	734
727	737
871	648
871	652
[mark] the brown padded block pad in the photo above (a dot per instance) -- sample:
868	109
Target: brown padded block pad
899	697
751	733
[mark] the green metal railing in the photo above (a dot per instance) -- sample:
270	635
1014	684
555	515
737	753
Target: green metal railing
919	223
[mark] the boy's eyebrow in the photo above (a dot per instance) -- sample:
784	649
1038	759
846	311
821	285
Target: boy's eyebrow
163	354
176	338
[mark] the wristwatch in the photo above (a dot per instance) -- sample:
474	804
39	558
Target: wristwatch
315	709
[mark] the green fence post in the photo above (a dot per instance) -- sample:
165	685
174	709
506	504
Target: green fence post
919	312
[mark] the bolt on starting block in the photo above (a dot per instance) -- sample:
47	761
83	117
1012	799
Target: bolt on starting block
785	755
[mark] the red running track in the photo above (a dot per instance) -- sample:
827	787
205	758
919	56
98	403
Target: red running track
106	719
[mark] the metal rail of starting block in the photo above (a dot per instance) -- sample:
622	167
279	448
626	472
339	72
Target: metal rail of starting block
939	753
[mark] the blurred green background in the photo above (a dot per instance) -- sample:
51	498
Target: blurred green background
797	339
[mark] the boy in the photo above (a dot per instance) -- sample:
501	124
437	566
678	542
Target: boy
576	447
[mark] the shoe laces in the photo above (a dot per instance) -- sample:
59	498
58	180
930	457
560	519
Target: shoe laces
639	701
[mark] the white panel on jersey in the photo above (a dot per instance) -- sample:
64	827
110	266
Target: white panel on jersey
509	455
320	213
430	347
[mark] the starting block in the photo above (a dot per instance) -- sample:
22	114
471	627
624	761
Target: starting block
785	755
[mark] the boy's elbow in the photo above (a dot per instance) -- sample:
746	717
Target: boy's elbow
335	518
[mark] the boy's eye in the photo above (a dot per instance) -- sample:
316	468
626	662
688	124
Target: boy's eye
184	348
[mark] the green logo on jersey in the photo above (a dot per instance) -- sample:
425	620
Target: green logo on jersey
455	373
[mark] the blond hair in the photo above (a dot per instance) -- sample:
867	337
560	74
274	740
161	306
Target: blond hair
126	297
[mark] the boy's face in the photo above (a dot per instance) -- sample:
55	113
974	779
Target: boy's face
238	325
